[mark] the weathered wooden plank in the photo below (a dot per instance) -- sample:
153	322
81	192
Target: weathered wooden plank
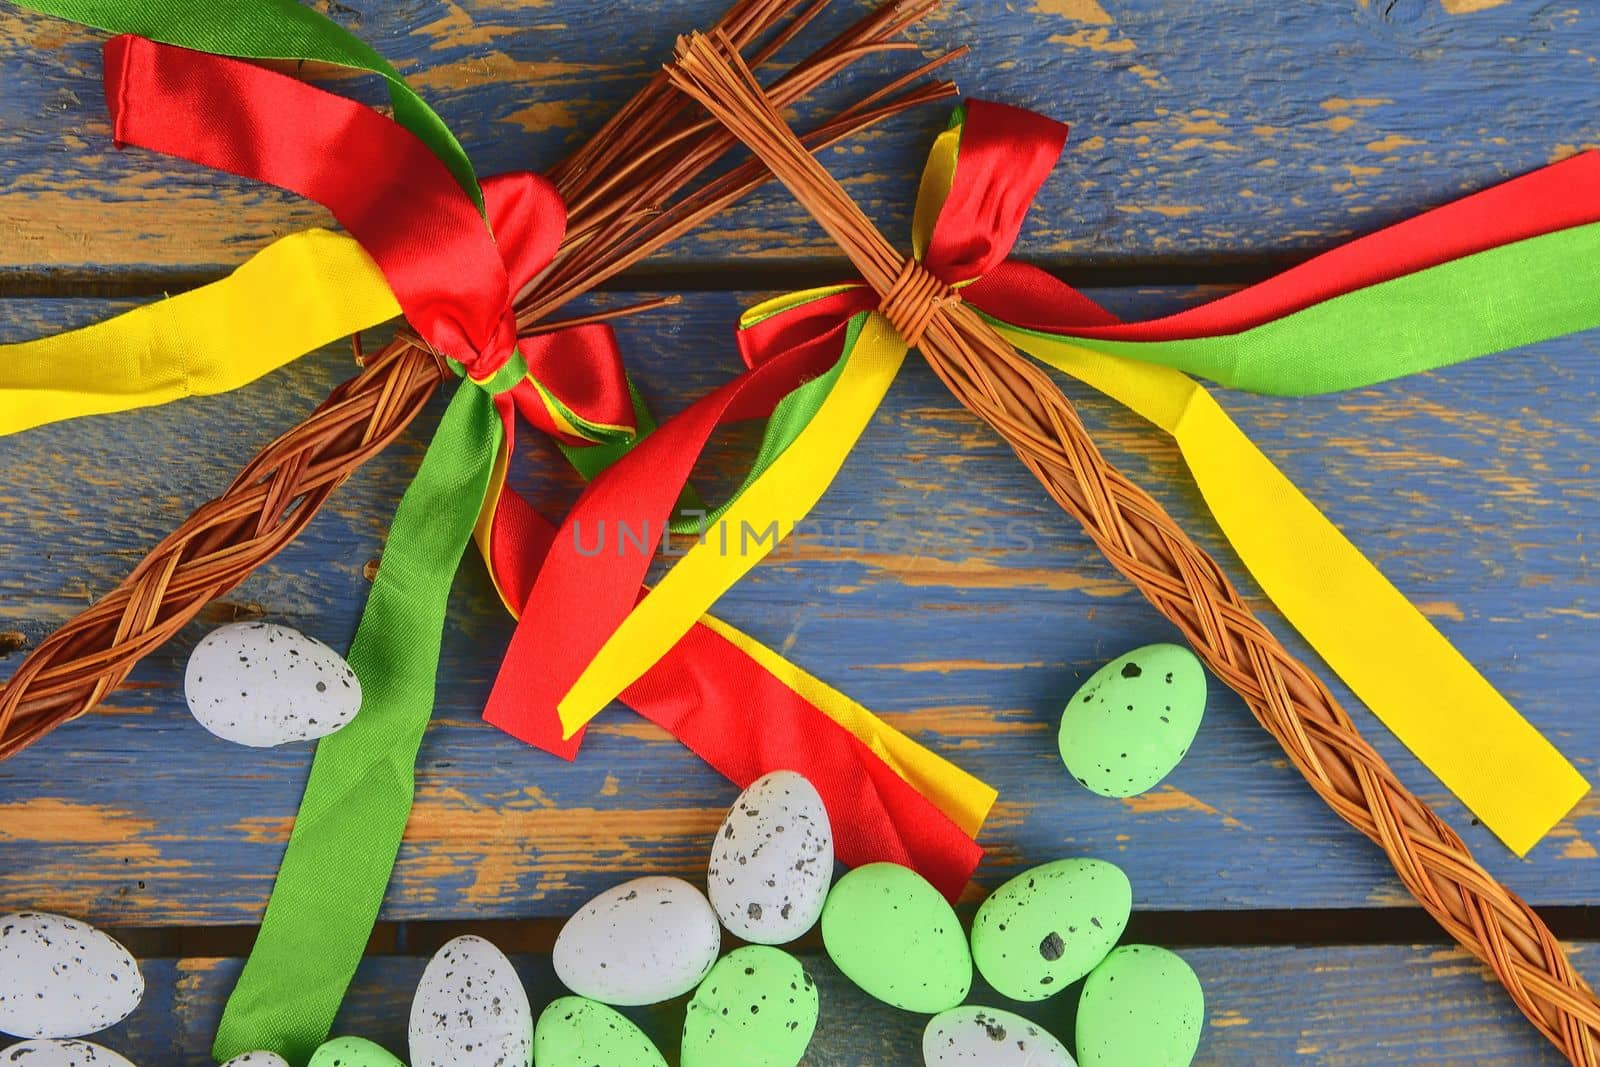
1309	1006
1473	488
1202	131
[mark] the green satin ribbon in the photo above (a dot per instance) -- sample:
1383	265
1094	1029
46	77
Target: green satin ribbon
346	837
269	29
1506	297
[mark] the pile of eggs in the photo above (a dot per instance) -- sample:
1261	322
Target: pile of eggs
895	937
769	881
653	939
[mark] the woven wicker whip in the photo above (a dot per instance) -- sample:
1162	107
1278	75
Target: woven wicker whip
1177	576
626	198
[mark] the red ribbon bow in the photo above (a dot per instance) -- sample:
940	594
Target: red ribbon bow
453	276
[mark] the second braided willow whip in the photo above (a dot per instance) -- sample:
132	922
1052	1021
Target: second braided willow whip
624	190
1143	542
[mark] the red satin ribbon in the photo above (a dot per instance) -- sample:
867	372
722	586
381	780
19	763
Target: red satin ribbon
455	283
1540	202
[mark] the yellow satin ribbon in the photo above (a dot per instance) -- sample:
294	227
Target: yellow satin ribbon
964	799
292	297
1390	655
787	491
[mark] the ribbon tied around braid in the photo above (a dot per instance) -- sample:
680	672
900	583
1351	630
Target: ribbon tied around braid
1480	275
454	274
915	298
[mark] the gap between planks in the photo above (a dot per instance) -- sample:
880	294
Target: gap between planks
1210	270
1317	927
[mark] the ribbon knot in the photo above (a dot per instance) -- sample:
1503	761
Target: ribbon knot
963	232
484	369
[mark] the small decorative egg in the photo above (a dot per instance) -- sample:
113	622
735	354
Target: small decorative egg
62	978
470	1010
757	1008
896	937
48	1053
641	942
772	861
353	1052
576	1030
1048	927
257	1059
1142	1005
1133	720
260	684
988	1037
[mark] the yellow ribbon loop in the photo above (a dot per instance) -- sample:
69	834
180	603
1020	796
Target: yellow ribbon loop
292	297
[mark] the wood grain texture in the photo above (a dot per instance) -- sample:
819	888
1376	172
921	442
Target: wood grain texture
1422	1006
938	586
1202	132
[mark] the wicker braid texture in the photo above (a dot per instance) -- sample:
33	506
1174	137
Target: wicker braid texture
1143	542
624	189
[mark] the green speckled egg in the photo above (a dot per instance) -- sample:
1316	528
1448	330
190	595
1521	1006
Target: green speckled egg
896	937
757	1008
1048	927
1142	1005
353	1052
577	1030
1133	720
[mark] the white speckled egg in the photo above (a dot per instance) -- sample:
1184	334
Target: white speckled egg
470	1010
61	1054
641	942
62	978
974	1036
257	1059
772	861
260	684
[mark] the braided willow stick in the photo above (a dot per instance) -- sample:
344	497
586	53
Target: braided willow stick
218	546
1143	542
624	191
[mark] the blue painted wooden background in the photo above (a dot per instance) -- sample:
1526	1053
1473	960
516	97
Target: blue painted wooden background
1211	142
